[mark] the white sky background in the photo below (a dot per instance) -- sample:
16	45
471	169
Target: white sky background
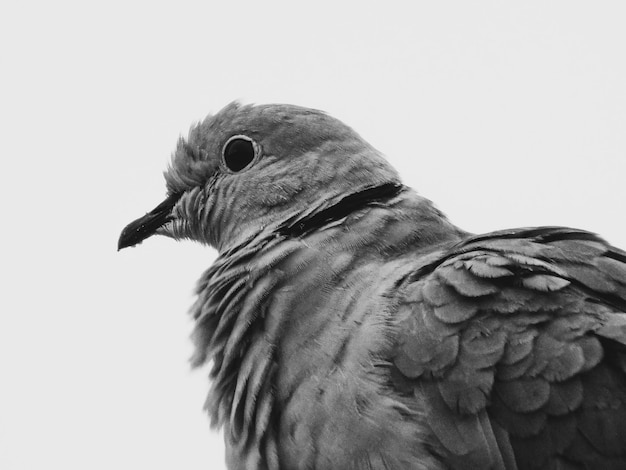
505	113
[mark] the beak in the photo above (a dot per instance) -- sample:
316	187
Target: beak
146	226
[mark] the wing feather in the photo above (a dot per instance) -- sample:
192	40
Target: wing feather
516	343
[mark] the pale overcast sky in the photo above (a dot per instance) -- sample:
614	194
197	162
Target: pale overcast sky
504	113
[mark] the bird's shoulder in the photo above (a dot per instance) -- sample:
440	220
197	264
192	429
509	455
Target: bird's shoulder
516	340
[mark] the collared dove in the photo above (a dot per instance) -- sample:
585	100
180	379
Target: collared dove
350	325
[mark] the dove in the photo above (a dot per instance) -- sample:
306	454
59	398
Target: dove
349	324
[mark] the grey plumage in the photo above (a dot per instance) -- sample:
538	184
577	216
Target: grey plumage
350	325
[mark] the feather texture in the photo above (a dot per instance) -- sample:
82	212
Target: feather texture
543	388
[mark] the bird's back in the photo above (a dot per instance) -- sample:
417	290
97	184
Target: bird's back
516	343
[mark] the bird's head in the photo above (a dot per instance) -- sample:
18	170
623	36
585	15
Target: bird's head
251	168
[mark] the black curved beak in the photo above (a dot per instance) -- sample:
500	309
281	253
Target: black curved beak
146	226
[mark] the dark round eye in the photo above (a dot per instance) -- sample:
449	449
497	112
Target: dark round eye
238	153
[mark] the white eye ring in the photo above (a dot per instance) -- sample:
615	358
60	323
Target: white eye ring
239	153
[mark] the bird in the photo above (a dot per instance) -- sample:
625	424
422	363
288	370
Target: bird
348	324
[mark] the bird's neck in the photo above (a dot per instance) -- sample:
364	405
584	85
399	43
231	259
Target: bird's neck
245	298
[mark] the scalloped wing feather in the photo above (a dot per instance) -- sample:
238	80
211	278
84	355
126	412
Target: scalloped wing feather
522	331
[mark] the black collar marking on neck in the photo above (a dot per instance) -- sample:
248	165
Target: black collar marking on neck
347	205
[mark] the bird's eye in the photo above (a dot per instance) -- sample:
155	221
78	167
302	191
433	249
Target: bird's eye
239	152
